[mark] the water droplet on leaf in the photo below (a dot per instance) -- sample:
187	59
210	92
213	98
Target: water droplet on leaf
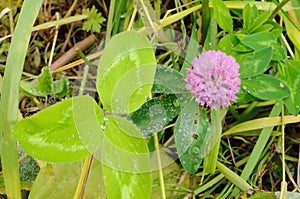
196	150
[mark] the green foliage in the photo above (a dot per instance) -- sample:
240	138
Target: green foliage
126	72
261	40
256	64
191	134
266	87
94	20
127	174
139	98
193	49
156	113
257	23
255	47
75	128
290	74
222	15
45	85
168	80
62	178
59	139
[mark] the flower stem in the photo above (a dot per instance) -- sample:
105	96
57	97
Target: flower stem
210	161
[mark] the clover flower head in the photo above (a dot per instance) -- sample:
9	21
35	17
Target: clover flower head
213	79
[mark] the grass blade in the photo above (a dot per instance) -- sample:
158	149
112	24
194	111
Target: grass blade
259	146
10	93
233	177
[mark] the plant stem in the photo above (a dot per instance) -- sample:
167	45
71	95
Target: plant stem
210	161
278	8
110	19
283	193
54	41
160	171
87	166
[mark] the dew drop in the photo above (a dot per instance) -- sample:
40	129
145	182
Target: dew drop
195	150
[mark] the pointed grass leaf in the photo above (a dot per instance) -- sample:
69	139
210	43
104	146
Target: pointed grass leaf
233	177
156	113
292	29
125	160
191	134
290	74
255	65
222	15
55	134
266	87
168	80
126	72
